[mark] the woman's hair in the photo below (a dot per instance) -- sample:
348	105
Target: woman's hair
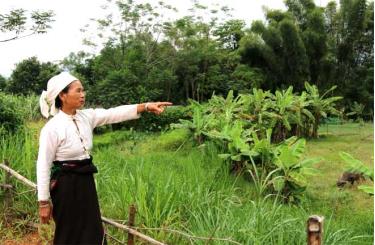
58	102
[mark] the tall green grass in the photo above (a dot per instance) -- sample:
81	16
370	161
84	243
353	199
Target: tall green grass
177	186
20	149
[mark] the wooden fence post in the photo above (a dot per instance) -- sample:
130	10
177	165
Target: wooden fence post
131	222
315	230
7	194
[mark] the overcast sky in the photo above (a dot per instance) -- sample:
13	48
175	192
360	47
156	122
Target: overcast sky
72	15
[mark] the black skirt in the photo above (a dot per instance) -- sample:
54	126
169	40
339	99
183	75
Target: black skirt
75	203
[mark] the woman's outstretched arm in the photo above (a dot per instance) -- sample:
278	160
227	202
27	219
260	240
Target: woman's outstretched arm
122	113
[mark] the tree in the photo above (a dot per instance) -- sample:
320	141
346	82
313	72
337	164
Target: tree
295	58
230	33
15	24
2	83
81	64
351	39
31	76
278	50
114	90
200	54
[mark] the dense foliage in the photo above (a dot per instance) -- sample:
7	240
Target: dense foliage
30	76
249	128
10	117
146	57
15	110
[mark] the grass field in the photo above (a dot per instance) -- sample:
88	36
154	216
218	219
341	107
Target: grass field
177	186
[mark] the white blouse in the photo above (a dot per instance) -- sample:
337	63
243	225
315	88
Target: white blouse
61	139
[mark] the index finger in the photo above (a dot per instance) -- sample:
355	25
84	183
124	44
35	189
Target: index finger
165	104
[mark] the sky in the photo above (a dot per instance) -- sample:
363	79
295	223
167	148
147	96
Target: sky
72	15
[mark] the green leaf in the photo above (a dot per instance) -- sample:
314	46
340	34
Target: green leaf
298	148
351	113
224	156
356	166
310	171
286	123
250	153
349	159
290	140
236	157
310	162
287	158
298	178
367	189
278	183
308	114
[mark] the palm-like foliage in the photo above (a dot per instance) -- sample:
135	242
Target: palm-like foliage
302	116
290	180
247	126
356	166
357	109
283	114
257	110
320	105
197	124
223	111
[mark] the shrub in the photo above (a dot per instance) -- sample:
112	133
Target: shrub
11	114
29	105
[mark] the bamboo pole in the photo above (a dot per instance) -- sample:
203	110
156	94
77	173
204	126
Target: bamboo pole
17	175
104	219
132	231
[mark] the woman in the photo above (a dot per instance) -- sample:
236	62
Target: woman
64	166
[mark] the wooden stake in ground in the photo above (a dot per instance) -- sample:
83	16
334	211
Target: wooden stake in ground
131	222
148	239
315	230
7	195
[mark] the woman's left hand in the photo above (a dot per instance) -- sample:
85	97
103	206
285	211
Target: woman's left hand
157	107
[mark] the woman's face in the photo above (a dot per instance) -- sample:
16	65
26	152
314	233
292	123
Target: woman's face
75	97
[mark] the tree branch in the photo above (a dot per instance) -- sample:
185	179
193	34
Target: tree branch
17	37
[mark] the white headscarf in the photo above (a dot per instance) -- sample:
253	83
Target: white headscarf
54	86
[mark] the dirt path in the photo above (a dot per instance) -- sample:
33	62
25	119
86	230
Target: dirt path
30	239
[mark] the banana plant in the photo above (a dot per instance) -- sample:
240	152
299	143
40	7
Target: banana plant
357	109
354	165
223	110
264	150
282	111
237	148
290	178
258	110
320	106
198	124
302	116
260	166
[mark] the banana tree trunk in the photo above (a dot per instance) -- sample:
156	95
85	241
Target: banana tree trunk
316	126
